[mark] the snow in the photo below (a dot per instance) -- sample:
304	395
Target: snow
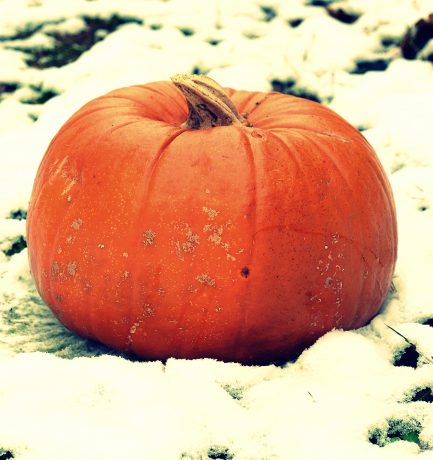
65	397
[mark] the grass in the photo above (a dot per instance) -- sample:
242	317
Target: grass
364	66
397	430
24	32
219	453
269	13
5	454
289	87
407	357
68	47
8	87
424	394
17	246
40	95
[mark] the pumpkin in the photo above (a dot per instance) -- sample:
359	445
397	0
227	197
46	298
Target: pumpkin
181	219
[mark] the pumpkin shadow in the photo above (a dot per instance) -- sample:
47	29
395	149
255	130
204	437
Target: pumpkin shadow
28	325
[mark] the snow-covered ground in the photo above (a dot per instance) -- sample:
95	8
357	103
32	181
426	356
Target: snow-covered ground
364	394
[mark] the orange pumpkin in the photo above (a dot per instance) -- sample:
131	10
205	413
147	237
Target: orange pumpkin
178	219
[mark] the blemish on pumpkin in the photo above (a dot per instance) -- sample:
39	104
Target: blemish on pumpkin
69	186
87	285
206	279
245	272
55	269
338	286
132	331
338	316
322	267
125	254
72	268
328	282
211	213
149	237
161	291
77	224
59	250
69	199
188	246
215	236
178	250
101	246
193	240
216	230
257	134
59	168
59	298
52	166
147	311
192	289
335	238
70	239
125	275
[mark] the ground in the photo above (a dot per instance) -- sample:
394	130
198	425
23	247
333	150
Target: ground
355	394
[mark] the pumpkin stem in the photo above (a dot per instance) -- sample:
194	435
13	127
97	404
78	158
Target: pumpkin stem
208	104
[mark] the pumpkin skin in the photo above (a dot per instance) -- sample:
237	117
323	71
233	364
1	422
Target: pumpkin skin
241	243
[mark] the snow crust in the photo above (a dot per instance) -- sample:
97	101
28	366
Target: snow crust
62	397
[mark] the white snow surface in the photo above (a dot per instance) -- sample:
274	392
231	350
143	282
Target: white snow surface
62	397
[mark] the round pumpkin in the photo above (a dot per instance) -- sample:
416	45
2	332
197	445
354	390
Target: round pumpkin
178	219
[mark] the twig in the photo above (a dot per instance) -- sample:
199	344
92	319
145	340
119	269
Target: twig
427	358
401	335
312	397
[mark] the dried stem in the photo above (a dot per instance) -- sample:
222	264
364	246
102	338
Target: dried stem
208	104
